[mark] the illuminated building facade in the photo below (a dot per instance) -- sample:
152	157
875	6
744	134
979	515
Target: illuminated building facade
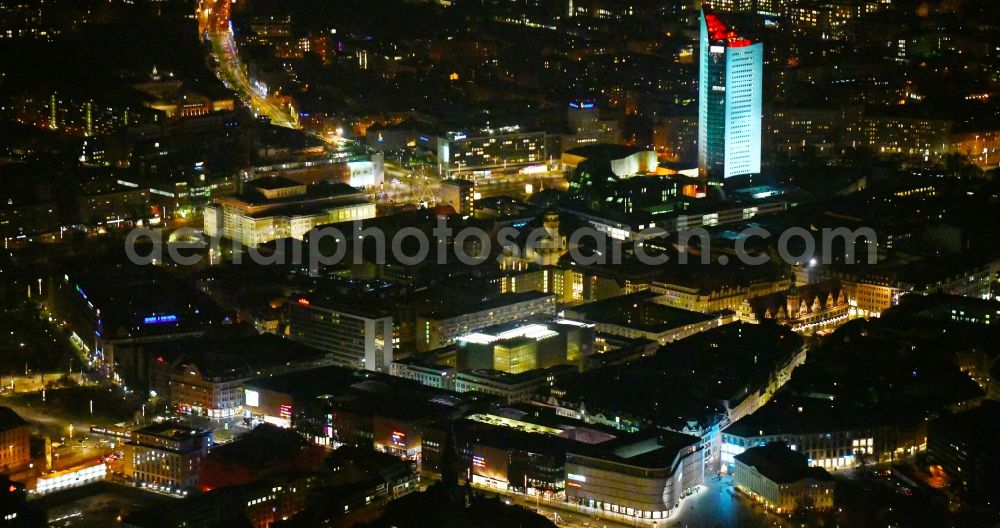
521	347
438	328
908	136
729	101
830	447
71	478
519	448
15	434
637	480
781	479
963	445
275	208
351	338
205	376
490	150
216	397
166	455
642	315
586	126
511	387
459	194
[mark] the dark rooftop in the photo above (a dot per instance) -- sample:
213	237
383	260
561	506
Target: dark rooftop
777	462
171	430
234	356
979	426
10	419
638	310
605	151
273	182
688	380
451	310
652	449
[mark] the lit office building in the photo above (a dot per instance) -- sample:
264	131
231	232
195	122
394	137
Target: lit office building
729	101
351	336
963	446
275	208
459	194
474	156
520	347
166	455
206	375
512	388
442	327
586	126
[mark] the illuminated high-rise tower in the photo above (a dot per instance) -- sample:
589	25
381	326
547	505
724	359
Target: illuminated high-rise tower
730	89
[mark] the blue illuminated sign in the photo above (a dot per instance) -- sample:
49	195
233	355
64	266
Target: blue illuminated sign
159	319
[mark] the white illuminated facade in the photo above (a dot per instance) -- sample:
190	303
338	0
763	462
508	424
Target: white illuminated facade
71	479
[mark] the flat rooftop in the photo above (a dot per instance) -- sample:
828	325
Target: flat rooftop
273	182
650	449
780	464
608	151
638	310
171	431
451	310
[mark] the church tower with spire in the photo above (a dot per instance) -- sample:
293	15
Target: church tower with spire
792	299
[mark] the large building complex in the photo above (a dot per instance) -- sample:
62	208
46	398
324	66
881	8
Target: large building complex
483	153
961	445
275	208
643	314
782	480
166	455
441	327
351	336
521	347
205	376
730	101
511	387
636	478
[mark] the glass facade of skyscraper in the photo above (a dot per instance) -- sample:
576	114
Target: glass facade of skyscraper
730	101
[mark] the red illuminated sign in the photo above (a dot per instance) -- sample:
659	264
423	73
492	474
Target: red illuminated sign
398	437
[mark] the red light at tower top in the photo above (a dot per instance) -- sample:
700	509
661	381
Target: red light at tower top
718	30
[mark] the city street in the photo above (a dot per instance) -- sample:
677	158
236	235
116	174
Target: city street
559	512
719	505
213	20
716	504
